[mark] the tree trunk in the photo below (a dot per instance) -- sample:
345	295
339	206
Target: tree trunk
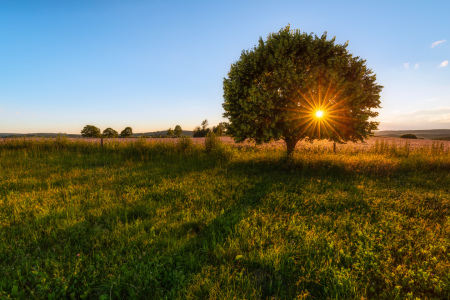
290	145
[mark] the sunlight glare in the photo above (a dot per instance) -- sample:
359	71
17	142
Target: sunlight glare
319	113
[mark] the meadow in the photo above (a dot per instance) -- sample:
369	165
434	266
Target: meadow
149	219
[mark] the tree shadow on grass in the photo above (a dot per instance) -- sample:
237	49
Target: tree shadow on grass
168	270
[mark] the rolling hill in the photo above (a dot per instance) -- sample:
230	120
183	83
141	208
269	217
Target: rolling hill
52	135
430	134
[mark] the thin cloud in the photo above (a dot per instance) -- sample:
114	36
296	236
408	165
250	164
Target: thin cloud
443	64
427	118
437	43
416	66
406	65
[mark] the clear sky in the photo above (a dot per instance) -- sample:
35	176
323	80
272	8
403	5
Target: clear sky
154	64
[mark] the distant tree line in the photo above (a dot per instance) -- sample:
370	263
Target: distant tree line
203	130
91	131
177	132
408	136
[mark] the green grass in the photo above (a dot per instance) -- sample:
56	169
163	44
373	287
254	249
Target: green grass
139	220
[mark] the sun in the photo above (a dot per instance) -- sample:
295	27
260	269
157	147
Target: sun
319	113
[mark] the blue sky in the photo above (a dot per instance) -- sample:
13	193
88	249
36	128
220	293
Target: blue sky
154	64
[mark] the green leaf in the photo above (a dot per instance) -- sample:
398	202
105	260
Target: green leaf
15	290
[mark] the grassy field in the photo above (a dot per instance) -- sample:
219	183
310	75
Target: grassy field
156	220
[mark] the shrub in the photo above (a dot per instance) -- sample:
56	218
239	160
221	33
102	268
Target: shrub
185	144
212	141
222	151
408	136
216	149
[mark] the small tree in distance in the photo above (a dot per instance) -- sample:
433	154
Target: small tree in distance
201	131
220	129
90	131
110	133
178	131
127	132
170	132
204	124
408	136
295	86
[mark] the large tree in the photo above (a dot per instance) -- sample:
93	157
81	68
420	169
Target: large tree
295	86
90	131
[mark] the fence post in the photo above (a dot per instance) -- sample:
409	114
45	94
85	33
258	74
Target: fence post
334	147
101	142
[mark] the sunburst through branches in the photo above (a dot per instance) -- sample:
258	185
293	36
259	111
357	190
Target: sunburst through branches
320	114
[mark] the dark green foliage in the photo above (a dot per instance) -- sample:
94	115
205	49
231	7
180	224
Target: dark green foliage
127	132
170	132
203	130
90	131
178	131
266	90
220	129
408	136
198	132
185	144
211	141
110	133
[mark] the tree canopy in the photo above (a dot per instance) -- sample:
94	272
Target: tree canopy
90	131
127	132
169	132
178	131
295	86
201	131
220	129
110	133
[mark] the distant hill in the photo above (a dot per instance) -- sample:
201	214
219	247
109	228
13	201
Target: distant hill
46	135
424	134
163	132
52	135
431	134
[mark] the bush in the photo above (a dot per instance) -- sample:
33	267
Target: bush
222	151
185	144
216	149
212	141
408	136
